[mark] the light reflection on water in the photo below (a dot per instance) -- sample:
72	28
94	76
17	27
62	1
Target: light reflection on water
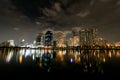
87	60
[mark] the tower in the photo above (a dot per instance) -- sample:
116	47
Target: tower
48	38
39	39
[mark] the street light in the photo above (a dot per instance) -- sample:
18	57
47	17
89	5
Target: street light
23	40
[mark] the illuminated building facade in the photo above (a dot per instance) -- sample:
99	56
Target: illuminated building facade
48	38
88	36
75	37
79	36
60	39
7	43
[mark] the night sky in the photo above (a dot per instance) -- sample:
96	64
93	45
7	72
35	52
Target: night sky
26	18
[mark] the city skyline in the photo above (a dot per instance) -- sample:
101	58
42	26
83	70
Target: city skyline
60	39
79	36
17	22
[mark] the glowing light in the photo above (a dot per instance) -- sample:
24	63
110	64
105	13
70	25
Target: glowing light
20	59
60	52
23	40
49	51
60	55
40	64
22	51
33	57
118	54
46	49
32	51
27	53
64	52
51	56
108	45
101	39
98	55
9	56
79	59
90	65
110	55
72	60
117	44
94	53
104	59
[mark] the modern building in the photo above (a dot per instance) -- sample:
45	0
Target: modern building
48	38
117	44
76	37
88	36
60	39
40	39
7	43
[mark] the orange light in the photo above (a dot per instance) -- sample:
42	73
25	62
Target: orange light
20	59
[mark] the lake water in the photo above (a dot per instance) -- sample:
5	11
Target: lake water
60	64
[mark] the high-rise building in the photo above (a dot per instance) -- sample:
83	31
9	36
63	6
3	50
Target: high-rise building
82	36
87	36
40	39
60	39
75	37
94	35
48	38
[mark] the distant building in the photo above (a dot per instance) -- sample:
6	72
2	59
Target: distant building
88	36
101	42
7	43
40	39
76	37
60	39
48	38
117	44
11	42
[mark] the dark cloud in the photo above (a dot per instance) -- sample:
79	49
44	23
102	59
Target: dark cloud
37	8
105	0
15	28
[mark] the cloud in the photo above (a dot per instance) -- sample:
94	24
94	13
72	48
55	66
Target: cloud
49	12
92	2
15	28
118	2
83	13
105	0
58	14
57	7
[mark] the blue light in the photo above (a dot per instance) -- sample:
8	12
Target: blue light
72	60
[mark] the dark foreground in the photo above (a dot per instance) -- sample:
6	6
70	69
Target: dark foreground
29	70
33	72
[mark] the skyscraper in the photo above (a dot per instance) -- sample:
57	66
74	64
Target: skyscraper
88	36
60	39
48	38
39	39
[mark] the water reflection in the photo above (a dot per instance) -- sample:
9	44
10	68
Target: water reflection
89	61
